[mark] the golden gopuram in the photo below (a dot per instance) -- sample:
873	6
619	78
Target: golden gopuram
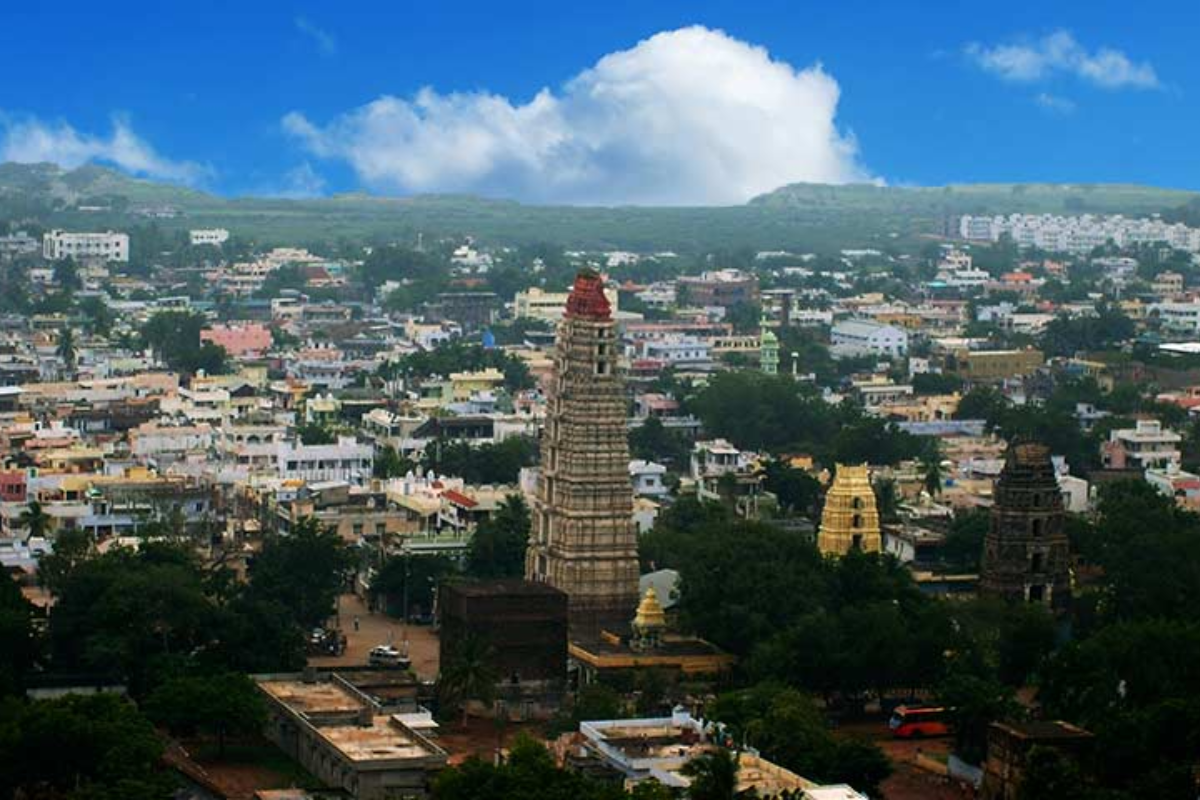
850	519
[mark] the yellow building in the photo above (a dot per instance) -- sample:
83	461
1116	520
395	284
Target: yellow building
465	384
850	519
995	365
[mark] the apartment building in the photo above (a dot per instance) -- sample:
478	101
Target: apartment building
107	246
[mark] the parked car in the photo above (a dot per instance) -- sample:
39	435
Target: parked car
385	655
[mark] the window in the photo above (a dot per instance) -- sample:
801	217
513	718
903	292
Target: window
1035	562
856	522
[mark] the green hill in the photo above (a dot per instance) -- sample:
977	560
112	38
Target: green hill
795	217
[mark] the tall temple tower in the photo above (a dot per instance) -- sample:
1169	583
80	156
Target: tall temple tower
850	519
584	542
1026	553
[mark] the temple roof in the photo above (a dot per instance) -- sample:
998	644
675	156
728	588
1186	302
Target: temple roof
587	298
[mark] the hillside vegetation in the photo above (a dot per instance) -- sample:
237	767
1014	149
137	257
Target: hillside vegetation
797	217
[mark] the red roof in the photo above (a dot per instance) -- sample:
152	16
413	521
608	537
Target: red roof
459	499
587	298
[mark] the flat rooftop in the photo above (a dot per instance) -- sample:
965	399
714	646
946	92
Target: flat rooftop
320	697
382	740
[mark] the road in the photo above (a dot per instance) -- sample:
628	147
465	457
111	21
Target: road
376	629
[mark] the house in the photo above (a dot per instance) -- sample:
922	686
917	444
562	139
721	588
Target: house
647	477
857	338
1145	446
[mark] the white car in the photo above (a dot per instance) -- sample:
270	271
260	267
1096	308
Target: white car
385	655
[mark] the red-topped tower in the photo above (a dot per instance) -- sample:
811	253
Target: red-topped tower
583	540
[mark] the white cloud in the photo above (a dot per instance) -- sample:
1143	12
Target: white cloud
31	140
687	116
324	41
1060	53
1054	103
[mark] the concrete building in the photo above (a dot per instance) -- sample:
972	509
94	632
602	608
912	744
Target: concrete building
856	338
350	732
648	478
108	246
209	236
996	365
346	460
1008	746
536	303
245	339
1147	445
583	540
724	288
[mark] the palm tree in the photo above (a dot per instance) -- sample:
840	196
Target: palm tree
468	675
714	776
931	470
66	348
34	520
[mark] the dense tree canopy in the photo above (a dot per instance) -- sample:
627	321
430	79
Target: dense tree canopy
485	463
497	548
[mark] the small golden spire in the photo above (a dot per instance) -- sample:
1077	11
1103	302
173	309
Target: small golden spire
650	614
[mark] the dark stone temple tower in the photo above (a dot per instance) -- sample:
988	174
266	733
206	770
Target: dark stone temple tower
1025	554
583	541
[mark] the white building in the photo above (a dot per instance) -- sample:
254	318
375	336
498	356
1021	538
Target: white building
647	477
1146	446
1182	318
212	236
108	246
1079	234
678	351
347	460
535	303
854	338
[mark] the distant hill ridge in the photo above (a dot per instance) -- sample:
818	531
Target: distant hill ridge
796	216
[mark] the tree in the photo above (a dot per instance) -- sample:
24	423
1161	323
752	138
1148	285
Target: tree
98	317
797	490
311	433
410	580
486	463
497	548
66	275
652	441
713	776
787	728
72	546
16	637
66	348
963	546
34	520
390	464
528	772
931	469
218	705
174	336
81	747
305	571
469	674
977	702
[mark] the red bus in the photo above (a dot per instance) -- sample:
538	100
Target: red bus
915	722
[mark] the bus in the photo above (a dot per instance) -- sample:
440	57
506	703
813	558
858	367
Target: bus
915	722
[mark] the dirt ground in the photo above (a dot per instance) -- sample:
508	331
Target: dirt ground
481	737
908	781
376	629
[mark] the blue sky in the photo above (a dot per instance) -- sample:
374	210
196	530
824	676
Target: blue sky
644	102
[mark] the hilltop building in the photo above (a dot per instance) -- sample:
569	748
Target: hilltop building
109	246
1025	555
850	520
584	542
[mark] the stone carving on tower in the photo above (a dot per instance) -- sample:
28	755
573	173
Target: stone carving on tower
850	520
583	540
1026	556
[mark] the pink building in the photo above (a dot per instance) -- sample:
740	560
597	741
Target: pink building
12	486
244	339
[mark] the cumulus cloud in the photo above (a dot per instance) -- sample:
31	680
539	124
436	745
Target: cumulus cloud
1061	54
322	39
31	140
690	116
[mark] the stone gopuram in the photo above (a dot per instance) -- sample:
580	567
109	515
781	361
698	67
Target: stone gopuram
850	519
1026	553
583	540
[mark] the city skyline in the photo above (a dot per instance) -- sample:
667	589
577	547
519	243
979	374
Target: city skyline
672	105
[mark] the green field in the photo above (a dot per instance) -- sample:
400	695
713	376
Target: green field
805	217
